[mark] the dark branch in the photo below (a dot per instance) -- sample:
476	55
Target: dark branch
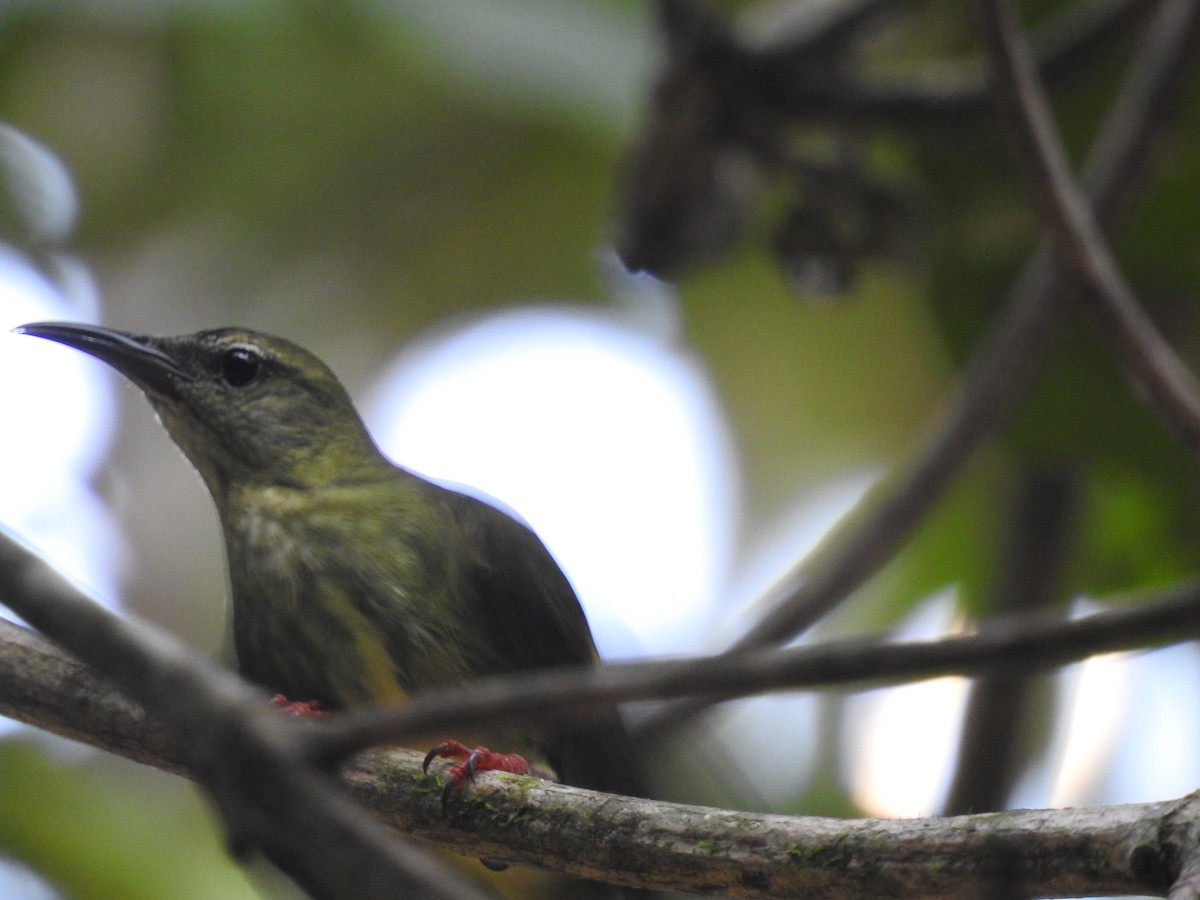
1030	572
1147	359
1030	643
242	751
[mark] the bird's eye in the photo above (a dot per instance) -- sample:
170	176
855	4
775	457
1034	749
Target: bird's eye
240	366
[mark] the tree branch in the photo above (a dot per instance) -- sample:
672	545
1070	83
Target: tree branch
667	846
258	764
1073	852
1038	543
246	755
1003	366
1147	359
1030	642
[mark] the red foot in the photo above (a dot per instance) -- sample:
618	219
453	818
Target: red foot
479	759
299	707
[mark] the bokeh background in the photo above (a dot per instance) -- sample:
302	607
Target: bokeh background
423	192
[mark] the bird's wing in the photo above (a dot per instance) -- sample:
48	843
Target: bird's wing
534	620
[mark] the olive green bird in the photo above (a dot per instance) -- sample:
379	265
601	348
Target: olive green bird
355	582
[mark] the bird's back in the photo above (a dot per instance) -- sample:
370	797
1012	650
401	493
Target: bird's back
535	620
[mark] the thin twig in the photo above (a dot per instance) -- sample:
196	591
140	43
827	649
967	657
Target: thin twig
1147	359
1031	642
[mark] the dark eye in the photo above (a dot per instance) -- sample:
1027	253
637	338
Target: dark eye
240	366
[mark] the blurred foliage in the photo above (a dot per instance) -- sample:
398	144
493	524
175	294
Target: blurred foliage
349	173
103	829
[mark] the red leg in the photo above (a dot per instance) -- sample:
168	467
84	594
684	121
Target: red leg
299	707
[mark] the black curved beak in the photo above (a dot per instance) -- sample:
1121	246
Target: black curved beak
136	356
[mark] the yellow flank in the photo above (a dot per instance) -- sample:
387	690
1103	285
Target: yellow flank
379	674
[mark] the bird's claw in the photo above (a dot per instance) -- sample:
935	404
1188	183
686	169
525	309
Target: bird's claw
472	760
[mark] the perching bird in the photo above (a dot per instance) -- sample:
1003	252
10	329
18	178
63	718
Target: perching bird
353	580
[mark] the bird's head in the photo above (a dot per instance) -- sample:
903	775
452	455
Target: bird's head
245	407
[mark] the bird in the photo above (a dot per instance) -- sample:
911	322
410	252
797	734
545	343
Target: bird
354	581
